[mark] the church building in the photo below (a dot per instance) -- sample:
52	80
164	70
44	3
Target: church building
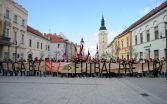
103	40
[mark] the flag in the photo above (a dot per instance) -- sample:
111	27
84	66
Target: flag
89	58
81	49
88	52
97	49
76	54
88	55
63	55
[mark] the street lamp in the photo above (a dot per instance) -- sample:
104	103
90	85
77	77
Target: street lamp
16	46
56	55
15	50
165	51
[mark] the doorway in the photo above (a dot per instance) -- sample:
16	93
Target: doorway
30	56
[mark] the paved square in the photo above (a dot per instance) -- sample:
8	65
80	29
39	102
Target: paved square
53	90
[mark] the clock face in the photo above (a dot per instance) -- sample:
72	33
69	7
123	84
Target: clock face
103	32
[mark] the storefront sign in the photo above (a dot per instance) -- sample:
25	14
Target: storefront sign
148	46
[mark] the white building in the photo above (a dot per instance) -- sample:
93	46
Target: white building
61	47
19	41
146	32
103	39
14	26
36	45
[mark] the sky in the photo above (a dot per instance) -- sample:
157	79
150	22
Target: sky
82	18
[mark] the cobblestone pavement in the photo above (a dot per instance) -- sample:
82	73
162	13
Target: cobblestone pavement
53	90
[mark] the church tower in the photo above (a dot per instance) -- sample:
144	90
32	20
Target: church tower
103	39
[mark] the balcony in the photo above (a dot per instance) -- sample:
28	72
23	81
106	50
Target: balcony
5	40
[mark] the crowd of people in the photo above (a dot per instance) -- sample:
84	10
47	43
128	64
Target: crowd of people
93	60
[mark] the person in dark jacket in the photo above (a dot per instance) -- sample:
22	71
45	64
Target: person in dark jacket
1	66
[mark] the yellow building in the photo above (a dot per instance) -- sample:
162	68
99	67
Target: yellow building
114	47
125	45
122	45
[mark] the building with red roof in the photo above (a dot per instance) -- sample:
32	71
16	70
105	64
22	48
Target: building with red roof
37	45
62	48
147	32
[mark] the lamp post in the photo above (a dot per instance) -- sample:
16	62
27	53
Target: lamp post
16	50
56	55
165	50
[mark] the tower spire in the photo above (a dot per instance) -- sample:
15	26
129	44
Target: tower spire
102	27
82	41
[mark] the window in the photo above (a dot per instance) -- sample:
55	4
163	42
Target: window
141	55
22	39
122	44
22	22
148	35
136	40
7	13
37	45
14	56
58	45
147	55
165	53
14	36
118	44
6	55
136	54
127	56
6	32
127	42
41	45
30	42
141	38
165	29
21	55
156	32
103	40
156	54
166	25
48	48
15	18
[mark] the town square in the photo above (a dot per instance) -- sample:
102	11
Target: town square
87	52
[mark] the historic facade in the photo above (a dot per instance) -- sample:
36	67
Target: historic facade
103	39
125	45
147	33
13	26
142	39
61	47
37	46
115	48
